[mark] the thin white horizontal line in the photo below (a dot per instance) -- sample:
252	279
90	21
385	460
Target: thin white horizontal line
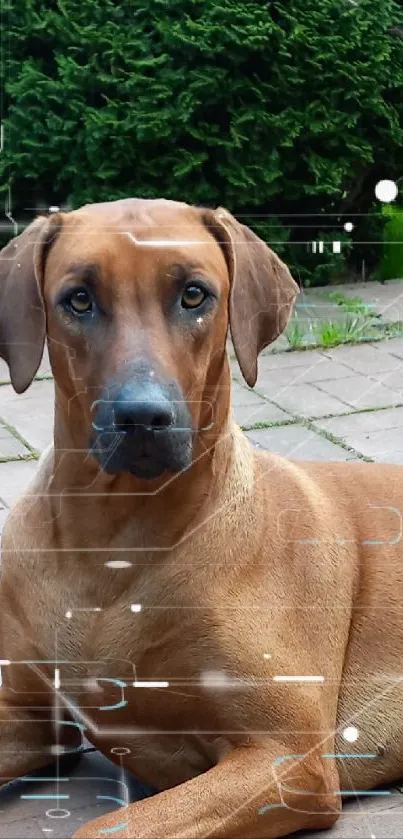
298	678
150	684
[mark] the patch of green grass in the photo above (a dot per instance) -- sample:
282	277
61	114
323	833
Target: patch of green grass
295	334
350	331
353	330
393	330
353	305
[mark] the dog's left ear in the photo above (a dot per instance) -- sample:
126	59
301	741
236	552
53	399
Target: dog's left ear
262	289
22	311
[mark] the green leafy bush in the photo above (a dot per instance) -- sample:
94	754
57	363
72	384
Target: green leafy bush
391	267
280	111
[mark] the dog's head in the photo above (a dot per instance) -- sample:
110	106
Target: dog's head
135	297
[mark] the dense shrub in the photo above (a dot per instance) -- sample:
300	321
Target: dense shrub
391	266
283	111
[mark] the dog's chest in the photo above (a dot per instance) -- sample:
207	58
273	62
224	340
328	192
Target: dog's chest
149	687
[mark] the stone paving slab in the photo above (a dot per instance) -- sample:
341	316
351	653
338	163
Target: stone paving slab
359	392
366	358
384	298
375	434
11	446
249	408
306	400
14	478
30	413
298	443
87	785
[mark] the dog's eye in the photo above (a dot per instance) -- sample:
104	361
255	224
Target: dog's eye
80	301
193	296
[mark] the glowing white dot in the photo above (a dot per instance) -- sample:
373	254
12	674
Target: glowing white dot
69	615
199	320
54	209
386	191
152	373
57	749
350	734
92	684
136	607
348	226
118	563
215	679
266	655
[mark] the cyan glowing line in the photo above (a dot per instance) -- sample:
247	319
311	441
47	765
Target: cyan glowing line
122	703
111	798
43	797
36	779
348	756
364	792
114	829
270	807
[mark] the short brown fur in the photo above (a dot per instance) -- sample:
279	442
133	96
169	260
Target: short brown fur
247	566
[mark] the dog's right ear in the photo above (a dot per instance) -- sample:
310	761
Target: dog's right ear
22	310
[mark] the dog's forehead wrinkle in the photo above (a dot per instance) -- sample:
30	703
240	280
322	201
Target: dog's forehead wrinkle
129	213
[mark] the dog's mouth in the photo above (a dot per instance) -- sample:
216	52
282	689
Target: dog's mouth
147	455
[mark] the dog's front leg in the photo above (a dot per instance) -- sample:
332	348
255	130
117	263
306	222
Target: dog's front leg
252	793
27	741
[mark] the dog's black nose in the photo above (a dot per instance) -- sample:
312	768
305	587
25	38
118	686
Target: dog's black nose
144	406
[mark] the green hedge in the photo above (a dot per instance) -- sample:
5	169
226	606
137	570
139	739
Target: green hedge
283	111
391	266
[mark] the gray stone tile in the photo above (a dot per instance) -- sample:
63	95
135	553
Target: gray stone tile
364	422
248	408
392	380
371	816
14	477
271	382
247	416
93	778
297	443
394	346
307	400
284	360
244	396
31	413
10	446
365	358
377	434
386	299
360	392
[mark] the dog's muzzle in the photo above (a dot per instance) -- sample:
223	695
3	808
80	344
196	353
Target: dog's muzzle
144	428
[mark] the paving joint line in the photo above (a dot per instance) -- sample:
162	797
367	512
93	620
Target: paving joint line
33	454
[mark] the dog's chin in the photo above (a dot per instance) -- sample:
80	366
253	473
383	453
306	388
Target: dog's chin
146	467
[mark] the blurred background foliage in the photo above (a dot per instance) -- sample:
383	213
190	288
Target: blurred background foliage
287	112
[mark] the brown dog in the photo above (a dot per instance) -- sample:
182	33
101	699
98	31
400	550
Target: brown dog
248	607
